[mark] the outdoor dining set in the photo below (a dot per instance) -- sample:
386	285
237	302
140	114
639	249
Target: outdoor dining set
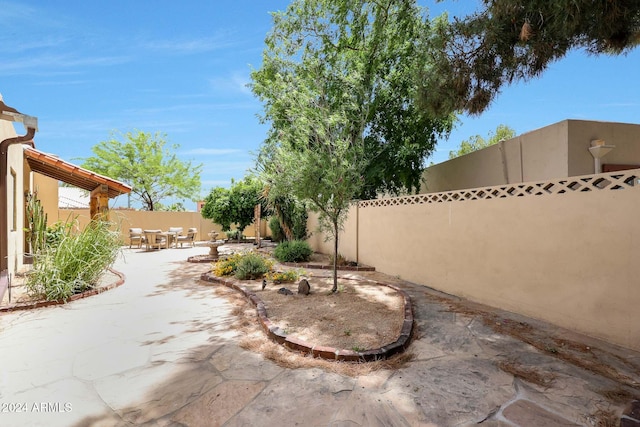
159	239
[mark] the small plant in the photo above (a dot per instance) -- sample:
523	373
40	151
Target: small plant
234	235
252	266
76	263
244	265
227	266
283	276
57	232
347	332
342	261
357	348
37	224
293	251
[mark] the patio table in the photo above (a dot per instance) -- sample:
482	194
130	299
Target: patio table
154	238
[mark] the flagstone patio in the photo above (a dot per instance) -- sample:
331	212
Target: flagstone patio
160	350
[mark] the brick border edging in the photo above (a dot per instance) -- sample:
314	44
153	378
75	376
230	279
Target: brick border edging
329	353
75	297
328	267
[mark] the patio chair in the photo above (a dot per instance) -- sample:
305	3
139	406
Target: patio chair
190	237
173	234
155	239
136	237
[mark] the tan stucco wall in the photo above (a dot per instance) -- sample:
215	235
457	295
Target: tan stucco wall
15	239
152	221
544	153
556	151
347	239
570	259
625	137
47	189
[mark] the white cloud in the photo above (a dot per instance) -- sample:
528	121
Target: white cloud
198	45
40	63
235	83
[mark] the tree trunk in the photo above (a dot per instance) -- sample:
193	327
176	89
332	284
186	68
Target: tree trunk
335	257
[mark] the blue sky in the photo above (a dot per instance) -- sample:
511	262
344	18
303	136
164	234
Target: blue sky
86	70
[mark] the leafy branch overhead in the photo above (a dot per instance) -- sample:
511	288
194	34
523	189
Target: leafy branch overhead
154	172
472	58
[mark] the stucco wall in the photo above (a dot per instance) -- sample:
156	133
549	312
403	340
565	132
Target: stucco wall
544	152
570	259
15	224
555	151
47	189
153	221
347	240
625	137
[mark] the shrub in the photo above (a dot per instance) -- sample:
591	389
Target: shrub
227	266
277	235
342	261
244	265
234	234
57	232
293	251
252	266
283	276
76	263
299	226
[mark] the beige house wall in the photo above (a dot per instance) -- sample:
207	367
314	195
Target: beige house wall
569	258
556	151
47	189
15	199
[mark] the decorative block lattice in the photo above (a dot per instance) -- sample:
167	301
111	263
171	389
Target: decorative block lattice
586	183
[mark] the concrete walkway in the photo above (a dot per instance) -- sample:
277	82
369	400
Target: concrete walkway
159	351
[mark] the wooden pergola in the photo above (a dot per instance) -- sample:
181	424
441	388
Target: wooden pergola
101	187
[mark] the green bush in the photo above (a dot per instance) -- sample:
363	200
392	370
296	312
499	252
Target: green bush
76	263
277	235
293	251
252	266
56	232
299	226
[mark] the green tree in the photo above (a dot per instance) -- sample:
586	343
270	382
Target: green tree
476	142
234	205
141	160
290	215
363	56
509	40
314	161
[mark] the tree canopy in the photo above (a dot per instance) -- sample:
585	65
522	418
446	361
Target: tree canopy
508	40
476	142
154	172
361	59
234	205
316	162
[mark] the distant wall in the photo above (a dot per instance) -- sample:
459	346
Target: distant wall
154	220
625	137
556	151
565	251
